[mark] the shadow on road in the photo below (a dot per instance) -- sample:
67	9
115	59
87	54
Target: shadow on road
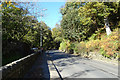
54	55
40	69
81	73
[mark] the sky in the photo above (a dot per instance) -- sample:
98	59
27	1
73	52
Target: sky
52	15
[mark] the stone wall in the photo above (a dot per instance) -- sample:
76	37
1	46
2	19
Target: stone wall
17	69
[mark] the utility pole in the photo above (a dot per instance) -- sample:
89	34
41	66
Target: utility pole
41	15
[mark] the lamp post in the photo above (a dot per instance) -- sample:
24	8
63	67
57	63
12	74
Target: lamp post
41	15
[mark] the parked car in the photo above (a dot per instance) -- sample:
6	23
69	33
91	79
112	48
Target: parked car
34	49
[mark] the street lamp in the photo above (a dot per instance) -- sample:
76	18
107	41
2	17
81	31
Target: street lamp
41	15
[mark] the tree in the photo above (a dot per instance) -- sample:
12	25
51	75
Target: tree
21	31
57	36
70	22
81	20
96	12
57	33
47	36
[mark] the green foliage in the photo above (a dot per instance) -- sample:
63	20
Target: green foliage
70	21
85	22
81	48
63	46
93	45
66	46
110	44
21	31
71	48
57	32
57	36
47	38
81	20
102	51
75	47
107	46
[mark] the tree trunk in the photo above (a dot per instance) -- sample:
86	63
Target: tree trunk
108	30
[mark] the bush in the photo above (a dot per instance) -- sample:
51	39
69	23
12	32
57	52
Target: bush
110	45
81	48
103	53
64	45
92	45
71	48
76	50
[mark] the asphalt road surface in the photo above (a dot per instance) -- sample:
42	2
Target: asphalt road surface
62	65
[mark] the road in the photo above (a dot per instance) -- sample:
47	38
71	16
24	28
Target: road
62	65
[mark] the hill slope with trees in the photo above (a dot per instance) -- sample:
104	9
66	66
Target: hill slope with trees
91	26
